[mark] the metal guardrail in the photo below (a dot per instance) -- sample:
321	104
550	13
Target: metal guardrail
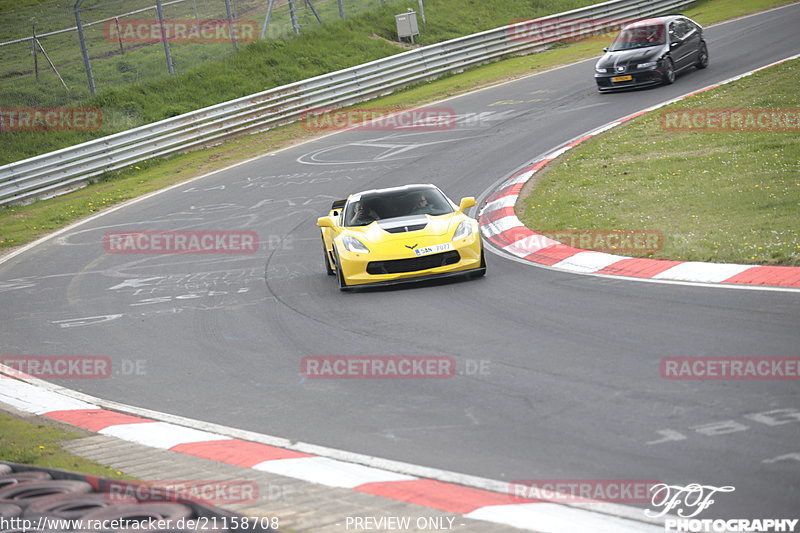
56	172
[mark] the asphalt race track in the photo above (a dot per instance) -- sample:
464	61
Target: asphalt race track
559	372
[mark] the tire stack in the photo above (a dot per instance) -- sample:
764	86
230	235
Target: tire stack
34	494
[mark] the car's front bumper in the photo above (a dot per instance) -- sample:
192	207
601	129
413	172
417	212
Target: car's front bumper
355	265
642	78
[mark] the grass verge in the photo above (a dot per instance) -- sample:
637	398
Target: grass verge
39	444
22	224
730	196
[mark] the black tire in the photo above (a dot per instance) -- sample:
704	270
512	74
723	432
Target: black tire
14	478
26	493
69	506
141	512
339	274
702	58
9	510
328	269
669	72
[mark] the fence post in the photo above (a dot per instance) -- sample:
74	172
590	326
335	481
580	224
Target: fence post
229	12
84	50
119	35
314	10
164	40
265	27
341	9
293	16
35	55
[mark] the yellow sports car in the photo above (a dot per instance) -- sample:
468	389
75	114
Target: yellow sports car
410	233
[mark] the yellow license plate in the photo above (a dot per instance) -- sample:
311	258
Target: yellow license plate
615	79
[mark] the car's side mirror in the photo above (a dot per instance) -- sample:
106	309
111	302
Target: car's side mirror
325	222
605	49
466	203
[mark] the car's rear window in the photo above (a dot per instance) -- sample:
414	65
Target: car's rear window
639	36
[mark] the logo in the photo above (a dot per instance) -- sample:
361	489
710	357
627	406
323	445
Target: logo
581	490
147	31
730	368
411	247
381	119
731	120
688	501
50	119
378	367
181	242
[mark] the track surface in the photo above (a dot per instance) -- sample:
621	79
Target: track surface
571	387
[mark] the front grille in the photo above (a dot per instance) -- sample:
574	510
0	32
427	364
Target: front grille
397	266
402	229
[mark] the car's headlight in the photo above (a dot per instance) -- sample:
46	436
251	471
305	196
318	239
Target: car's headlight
649	64
600	70
463	230
354	245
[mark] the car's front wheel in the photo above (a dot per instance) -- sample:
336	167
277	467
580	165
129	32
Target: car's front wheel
669	72
702	58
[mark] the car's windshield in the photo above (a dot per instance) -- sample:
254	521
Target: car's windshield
401	203
640	36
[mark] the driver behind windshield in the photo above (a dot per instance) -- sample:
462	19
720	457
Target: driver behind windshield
420	204
363	215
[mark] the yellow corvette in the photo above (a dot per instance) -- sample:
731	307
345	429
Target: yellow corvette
410	233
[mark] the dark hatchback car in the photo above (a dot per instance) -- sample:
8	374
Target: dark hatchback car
651	52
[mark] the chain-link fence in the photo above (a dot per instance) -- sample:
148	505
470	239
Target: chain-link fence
43	56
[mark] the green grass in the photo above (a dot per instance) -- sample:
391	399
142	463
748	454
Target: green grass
39	444
716	196
22	224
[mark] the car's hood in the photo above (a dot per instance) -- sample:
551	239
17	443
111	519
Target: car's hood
623	58
410	227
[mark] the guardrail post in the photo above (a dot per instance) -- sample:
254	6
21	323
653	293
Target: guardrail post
341	9
164	40
84	50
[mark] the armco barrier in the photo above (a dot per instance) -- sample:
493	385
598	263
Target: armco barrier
57	172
